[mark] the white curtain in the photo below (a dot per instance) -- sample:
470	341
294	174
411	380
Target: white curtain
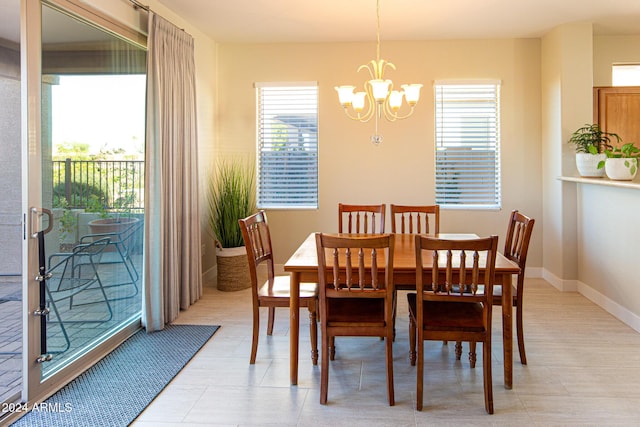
173	279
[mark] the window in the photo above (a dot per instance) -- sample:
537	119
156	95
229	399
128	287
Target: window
625	75
287	145
467	144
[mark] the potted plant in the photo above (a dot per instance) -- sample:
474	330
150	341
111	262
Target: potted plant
590	142
231	197
621	163
116	220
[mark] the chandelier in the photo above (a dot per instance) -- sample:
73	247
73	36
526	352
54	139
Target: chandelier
378	96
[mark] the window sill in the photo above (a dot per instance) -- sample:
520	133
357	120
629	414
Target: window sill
635	184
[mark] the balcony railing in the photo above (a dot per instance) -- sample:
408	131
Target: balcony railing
108	180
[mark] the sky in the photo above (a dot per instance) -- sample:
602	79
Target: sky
106	111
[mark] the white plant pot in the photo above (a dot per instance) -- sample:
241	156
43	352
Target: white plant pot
587	164
621	169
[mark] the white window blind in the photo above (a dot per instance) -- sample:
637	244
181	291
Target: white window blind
467	145
287	145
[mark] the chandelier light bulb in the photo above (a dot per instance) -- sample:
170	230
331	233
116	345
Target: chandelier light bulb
412	93
345	95
395	100
358	101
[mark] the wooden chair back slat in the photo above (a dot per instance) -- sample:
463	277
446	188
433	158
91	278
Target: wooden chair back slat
364	219
424	219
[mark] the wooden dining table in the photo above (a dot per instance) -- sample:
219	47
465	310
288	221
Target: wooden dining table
303	267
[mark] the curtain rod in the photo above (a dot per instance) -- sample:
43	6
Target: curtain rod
137	4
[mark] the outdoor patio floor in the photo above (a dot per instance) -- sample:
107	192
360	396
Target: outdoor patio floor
84	321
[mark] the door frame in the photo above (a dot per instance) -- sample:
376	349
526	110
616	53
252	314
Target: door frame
34	388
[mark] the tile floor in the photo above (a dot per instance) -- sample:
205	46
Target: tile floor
584	369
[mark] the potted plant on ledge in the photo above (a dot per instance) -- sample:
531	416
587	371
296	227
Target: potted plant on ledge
591	142
621	163
114	221
231	197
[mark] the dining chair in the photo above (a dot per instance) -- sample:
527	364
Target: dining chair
275	291
453	300
421	219
365	219
355	275
516	247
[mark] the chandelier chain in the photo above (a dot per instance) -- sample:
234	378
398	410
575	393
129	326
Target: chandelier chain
378	30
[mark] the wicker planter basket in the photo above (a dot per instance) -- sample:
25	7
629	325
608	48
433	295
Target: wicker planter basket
233	269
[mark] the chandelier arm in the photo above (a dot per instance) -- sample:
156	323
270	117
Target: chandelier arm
392	117
359	118
370	67
364	118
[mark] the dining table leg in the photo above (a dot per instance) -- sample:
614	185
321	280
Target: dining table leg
507	330
294	325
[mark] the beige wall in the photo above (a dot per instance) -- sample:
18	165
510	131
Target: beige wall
400	170
608	50
566	102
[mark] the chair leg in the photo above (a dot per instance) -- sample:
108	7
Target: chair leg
458	350
487	376
412	341
420	375
254	339
389	358
472	354
313	332
520	332
332	348
395	309
270	321
324	368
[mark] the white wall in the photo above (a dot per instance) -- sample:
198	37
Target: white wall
400	170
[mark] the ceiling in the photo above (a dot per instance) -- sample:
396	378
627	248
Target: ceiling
272	21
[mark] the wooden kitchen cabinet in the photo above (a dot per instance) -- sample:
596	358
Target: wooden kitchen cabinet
617	109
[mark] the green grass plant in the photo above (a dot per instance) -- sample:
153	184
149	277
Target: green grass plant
231	196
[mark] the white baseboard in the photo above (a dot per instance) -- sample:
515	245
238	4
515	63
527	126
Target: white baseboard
616	310
621	313
562	285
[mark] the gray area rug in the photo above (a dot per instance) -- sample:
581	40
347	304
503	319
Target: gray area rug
116	390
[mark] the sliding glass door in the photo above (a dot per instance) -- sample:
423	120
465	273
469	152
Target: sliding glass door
85	192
